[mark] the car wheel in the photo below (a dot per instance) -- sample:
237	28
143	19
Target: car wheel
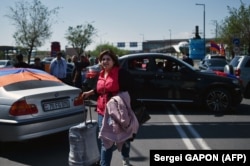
218	100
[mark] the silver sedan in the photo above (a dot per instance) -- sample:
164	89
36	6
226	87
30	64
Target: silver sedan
34	103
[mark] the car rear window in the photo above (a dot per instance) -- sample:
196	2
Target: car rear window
214	62
248	63
32	84
235	61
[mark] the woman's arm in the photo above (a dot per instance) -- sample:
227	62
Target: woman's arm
88	93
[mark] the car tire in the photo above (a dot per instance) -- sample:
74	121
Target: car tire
229	69
218	100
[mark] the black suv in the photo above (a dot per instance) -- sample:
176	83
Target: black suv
164	78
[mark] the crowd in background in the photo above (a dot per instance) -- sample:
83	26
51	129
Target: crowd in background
58	67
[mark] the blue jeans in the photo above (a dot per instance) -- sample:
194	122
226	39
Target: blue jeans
106	154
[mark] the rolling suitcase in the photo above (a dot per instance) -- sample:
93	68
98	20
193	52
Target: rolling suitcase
83	141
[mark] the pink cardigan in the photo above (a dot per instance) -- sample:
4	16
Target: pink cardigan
119	123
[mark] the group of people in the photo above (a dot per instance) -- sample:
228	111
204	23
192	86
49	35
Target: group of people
58	67
21	64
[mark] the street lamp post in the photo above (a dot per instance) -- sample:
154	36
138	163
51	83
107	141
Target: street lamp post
216	28
142	37
142	40
204	21
170	37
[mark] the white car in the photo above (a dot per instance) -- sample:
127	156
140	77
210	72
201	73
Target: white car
6	63
240	67
34	103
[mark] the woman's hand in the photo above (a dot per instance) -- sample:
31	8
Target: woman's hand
85	95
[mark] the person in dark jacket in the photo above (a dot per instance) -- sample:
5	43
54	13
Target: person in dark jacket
112	79
77	77
187	59
37	64
20	63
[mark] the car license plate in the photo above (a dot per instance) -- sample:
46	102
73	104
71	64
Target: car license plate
55	105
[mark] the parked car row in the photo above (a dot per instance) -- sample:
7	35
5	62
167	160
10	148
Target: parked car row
6	63
175	82
34	103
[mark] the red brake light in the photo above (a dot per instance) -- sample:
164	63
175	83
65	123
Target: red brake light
22	108
78	100
91	74
237	72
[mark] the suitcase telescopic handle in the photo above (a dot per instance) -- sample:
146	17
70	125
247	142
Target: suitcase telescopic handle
89	103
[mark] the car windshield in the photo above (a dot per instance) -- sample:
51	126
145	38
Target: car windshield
217	63
31	84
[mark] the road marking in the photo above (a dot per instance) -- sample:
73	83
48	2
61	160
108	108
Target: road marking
182	133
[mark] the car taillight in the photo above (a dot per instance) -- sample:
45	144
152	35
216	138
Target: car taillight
91	74
78	100
21	107
237	72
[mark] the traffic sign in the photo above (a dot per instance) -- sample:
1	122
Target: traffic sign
236	41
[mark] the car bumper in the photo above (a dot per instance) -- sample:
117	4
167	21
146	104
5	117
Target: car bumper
24	130
237	97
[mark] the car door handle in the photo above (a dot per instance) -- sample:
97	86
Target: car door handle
159	76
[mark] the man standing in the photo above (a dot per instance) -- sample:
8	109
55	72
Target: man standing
58	67
76	75
20	63
37	64
187	59
77	72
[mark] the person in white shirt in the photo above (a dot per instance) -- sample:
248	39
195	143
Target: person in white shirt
58	67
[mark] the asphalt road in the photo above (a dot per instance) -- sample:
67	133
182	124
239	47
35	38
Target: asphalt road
171	127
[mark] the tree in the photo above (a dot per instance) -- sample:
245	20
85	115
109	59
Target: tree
236	25
80	37
33	23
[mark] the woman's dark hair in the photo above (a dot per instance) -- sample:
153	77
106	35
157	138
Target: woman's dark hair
112	56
